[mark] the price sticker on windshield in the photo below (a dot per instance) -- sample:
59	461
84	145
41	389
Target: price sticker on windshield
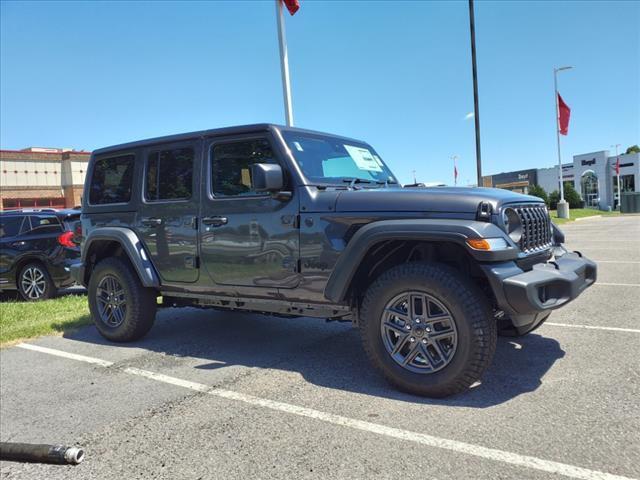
363	158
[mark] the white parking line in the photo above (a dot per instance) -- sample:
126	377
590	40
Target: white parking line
60	353
415	437
602	284
593	327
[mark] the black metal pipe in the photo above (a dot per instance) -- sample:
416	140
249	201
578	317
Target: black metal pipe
476	108
41	453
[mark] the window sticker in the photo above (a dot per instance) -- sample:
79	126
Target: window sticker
363	158
298	146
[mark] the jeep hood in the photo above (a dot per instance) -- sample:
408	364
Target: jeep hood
436	199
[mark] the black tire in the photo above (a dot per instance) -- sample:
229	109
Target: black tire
474	327
138	310
34	283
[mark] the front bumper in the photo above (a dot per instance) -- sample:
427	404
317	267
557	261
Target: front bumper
527	297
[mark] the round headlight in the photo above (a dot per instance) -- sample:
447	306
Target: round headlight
512	224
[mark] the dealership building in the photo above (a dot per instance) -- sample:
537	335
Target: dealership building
42	177
593	175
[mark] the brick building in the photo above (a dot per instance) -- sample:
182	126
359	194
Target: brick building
42	177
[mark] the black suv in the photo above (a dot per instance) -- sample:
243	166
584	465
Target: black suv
292	222
37	249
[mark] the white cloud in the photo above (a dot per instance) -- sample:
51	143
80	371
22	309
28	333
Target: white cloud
469	116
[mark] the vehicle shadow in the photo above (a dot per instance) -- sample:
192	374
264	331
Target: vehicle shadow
329	355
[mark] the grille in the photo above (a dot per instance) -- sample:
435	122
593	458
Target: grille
536	228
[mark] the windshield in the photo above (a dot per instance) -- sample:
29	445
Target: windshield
333	160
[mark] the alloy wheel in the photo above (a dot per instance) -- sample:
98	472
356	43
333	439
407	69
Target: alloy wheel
419	332
33	283
111	301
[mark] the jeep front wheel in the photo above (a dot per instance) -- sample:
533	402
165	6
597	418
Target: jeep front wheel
122	309
427	329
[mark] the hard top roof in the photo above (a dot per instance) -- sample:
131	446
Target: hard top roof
216	132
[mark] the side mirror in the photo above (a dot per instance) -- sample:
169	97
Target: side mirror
266	177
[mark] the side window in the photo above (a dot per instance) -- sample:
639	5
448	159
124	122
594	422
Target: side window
42	224
112	180
169	175
231	166
10	226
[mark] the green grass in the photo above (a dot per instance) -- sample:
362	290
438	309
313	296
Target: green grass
578	213
21	320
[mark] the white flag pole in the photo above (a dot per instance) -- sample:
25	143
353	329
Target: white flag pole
284	65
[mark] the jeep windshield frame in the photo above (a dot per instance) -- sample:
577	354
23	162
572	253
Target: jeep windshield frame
330	160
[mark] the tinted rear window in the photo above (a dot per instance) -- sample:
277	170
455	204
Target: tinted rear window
169	175
43	224
112	180
10	226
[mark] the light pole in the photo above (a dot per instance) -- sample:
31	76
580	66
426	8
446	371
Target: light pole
476	107
618	175
563	206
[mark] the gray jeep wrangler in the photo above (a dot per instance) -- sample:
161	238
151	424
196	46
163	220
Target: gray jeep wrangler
296	223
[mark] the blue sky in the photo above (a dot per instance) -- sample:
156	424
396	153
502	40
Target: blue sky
396	74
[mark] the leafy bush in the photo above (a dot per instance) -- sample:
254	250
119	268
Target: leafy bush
538	191
570	195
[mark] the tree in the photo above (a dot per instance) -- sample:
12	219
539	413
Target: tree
632	149
570	195
538	191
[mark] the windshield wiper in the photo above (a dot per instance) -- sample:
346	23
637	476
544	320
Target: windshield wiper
353	181
386	182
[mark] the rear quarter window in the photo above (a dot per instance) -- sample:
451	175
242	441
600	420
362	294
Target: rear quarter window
42	224
112	180
10	226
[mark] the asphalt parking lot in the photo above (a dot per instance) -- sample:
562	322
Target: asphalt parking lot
215	395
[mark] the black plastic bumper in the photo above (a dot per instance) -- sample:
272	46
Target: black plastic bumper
528	296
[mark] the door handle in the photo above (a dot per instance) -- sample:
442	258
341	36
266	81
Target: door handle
151	222
215	221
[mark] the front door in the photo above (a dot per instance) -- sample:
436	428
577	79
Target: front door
167	218
246	238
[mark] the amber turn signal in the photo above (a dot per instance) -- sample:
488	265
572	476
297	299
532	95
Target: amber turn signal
478	243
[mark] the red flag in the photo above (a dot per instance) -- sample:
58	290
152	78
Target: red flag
292	5
618	166
564	112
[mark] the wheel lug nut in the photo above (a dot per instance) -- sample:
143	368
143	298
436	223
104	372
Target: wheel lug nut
412	339
424	340
408	327
417	320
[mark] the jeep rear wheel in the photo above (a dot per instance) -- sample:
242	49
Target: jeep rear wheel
122	309
427	329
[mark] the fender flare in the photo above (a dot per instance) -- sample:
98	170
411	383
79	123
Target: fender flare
434	230
132	246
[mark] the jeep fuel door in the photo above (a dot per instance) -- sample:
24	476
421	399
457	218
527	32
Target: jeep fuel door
247	238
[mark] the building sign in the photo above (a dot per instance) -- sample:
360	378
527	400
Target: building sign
515	180
588	163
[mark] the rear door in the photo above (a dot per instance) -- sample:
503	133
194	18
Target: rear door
167	217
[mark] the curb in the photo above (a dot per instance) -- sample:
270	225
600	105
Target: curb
587	218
